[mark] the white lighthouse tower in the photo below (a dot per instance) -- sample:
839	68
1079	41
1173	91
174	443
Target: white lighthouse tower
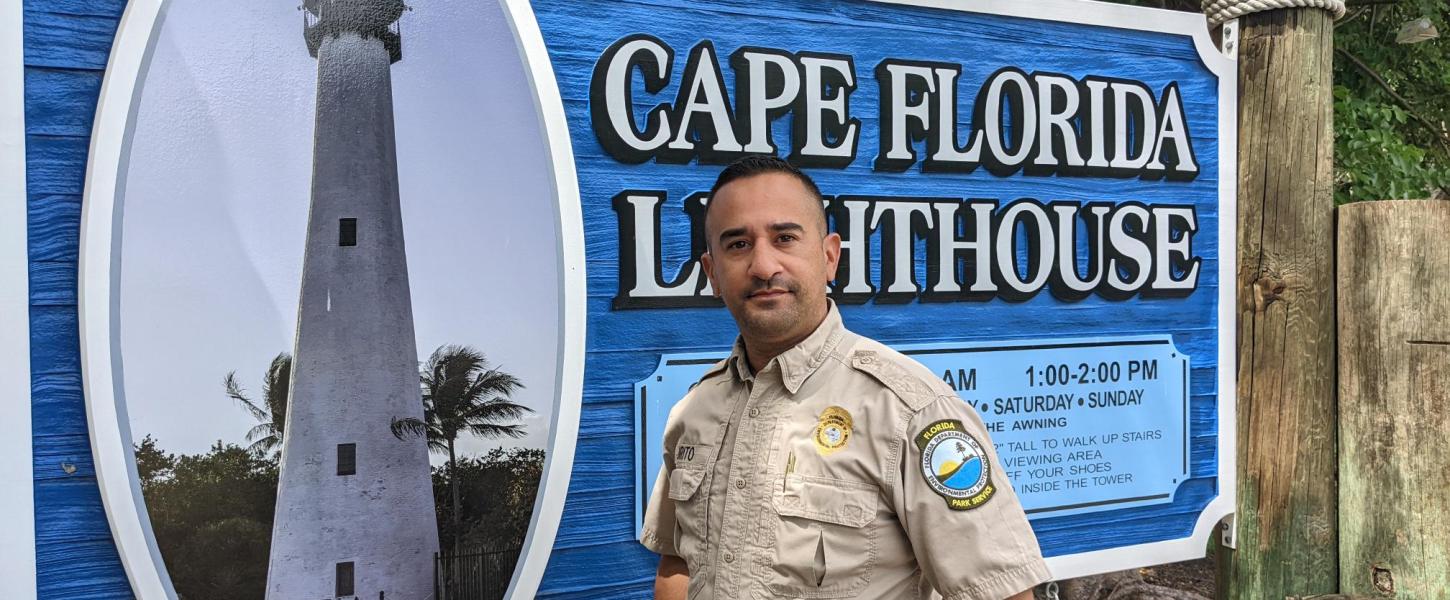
355	515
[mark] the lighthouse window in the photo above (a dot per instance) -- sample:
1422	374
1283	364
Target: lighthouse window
347	232
344	579
347	459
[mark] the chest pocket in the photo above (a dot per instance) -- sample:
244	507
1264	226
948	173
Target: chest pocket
825	542
690	492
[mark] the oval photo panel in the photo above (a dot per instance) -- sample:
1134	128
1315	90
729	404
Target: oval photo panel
336	304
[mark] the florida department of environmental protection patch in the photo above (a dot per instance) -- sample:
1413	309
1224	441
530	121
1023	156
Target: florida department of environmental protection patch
833	430
954	465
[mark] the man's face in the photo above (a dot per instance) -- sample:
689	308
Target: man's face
769	257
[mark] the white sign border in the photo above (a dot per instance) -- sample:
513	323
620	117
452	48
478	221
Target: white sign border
17	476
1224	65
101	368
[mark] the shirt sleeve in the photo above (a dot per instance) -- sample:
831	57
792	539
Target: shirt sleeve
965	522
658	533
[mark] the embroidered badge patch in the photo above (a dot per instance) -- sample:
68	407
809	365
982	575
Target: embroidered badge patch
833	430
954	465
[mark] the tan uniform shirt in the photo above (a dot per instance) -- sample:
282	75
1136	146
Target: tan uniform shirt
843	469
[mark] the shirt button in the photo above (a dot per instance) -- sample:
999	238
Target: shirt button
754	412
740	484
729	557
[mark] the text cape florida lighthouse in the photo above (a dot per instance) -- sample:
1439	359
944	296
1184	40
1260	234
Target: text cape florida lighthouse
1037	124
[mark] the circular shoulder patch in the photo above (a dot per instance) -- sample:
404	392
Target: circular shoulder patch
954	465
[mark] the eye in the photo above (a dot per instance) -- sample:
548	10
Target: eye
736	245
786	238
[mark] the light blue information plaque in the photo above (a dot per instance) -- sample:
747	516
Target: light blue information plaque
1082	425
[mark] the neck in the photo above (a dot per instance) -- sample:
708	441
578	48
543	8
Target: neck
759	352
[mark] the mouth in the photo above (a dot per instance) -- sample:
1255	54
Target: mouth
768	294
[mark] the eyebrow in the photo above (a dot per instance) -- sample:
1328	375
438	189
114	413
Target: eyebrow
775	227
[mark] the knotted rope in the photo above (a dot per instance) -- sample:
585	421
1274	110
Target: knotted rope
1219	11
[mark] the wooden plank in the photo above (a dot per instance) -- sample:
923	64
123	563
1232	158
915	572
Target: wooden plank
1394	386
66	46
1328	597
62	40
55	227
52	283
1286	430
55	165
68	106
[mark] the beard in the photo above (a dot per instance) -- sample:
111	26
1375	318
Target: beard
777	318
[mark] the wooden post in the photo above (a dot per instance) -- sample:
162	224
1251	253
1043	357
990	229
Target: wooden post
1394	390
1286	385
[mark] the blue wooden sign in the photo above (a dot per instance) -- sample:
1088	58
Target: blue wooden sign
1035	201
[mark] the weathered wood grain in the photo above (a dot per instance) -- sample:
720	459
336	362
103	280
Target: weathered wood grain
1328	597
1286	427
66	46
1394	391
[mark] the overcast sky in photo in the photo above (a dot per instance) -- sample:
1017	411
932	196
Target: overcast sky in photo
216	201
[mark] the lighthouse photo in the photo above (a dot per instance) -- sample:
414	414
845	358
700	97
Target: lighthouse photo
355	514
339	300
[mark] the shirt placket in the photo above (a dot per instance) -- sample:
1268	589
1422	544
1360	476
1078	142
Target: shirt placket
743	494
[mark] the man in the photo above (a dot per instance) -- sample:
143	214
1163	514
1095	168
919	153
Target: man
813	462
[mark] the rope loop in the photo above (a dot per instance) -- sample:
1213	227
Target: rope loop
1219	11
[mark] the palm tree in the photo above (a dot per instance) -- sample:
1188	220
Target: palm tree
271	412
462	393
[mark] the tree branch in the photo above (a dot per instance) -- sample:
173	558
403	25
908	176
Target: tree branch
1438	130
1352	15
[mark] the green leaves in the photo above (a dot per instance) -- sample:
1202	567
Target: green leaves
212	516
1391	102
1391	105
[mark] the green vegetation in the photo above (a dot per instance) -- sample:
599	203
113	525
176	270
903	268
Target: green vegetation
1391	104
212	515
497	493
212	512
462	393
1391	100
271	412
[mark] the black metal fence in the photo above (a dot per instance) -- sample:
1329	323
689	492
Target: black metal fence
473	573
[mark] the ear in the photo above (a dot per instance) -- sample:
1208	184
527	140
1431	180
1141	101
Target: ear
832	247
708	262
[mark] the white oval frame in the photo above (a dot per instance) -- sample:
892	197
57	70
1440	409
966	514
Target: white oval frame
98	300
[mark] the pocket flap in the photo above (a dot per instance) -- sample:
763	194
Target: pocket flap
685	482
848	503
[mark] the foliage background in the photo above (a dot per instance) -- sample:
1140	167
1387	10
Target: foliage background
212	512
1391	101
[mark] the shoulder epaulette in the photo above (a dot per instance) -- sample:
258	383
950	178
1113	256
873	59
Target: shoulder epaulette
714	370
906	385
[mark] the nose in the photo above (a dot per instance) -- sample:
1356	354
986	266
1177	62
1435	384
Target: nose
764	262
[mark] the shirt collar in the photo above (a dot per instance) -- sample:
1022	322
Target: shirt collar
800	361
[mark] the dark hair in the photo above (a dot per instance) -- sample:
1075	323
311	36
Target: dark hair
761	164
